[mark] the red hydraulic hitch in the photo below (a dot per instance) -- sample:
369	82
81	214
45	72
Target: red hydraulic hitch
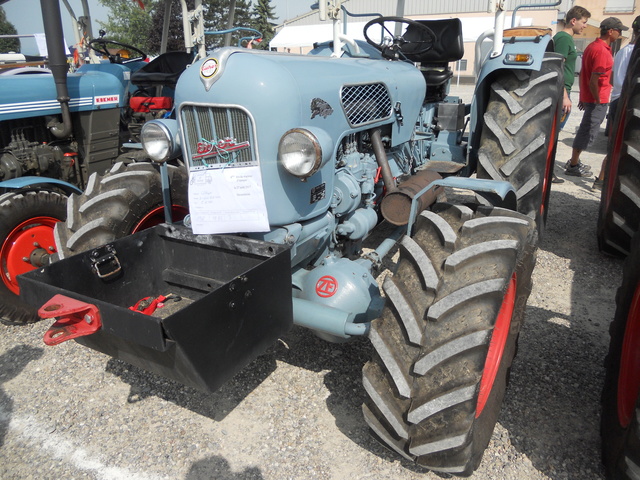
73	319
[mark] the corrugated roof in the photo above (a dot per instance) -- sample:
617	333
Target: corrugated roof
415	7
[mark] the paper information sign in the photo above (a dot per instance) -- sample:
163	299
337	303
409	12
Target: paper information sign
227	199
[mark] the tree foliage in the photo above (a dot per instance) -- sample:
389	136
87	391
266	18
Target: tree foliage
7	28
175	40
216	18
128	23
262	14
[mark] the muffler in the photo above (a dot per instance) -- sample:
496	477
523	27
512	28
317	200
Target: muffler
396	205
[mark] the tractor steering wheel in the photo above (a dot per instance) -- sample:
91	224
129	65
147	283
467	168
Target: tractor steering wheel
393	46
100	45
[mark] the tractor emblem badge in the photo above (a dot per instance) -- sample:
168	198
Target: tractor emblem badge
221	147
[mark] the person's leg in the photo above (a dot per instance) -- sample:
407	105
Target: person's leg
581	140
583	135
613	106
597	184
589	127
575	157
564	118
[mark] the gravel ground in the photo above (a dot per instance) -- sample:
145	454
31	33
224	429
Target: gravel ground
294	413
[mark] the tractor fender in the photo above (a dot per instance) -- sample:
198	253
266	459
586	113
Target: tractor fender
494	192
538	48
28	182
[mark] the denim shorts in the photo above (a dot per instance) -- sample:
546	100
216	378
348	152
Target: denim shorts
592	118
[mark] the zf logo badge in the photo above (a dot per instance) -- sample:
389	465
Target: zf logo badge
327	286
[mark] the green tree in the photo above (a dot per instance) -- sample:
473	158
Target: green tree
128	23
262	14
7	28
216	18
175	40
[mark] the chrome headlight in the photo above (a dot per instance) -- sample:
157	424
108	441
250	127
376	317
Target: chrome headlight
160	140
300	152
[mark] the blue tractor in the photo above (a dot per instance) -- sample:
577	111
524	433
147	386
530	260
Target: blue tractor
291	163
59	127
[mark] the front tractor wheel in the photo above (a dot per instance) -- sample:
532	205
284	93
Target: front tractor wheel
27	220
447	337
126	200
518	141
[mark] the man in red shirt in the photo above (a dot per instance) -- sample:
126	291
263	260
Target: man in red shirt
595	90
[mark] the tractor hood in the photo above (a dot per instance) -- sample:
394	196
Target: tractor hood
337	94
34	94
273	93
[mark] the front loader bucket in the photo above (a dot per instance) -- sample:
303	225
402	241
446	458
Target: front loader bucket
229	299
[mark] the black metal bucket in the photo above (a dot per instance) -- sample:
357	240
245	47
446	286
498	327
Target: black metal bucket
234	300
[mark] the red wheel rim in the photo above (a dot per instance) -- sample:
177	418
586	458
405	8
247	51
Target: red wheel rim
32	234
549	166
156	217
497	345
629	377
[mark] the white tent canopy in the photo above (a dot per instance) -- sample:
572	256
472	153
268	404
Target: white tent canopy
306	35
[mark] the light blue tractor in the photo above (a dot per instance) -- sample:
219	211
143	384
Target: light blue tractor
291	163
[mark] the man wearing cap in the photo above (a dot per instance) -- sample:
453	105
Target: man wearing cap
595	90
620	65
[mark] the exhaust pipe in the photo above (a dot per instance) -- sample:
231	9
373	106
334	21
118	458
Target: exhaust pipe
383	163
57	64
396	205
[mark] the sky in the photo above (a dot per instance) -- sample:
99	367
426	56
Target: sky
25	16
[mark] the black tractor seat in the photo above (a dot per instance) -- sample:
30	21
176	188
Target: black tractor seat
163	70
448	47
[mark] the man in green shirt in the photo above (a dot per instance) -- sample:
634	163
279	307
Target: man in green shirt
575	21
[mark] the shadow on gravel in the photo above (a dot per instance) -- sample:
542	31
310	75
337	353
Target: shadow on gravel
343	363
215	406
552	406
11	365
218	468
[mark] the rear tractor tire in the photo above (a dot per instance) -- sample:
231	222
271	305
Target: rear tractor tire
619	214
124	201
518	141
446	339
620	427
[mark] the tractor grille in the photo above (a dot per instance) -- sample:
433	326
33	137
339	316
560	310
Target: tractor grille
217	135
364	104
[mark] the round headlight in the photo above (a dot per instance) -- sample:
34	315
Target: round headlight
158	141
300	152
